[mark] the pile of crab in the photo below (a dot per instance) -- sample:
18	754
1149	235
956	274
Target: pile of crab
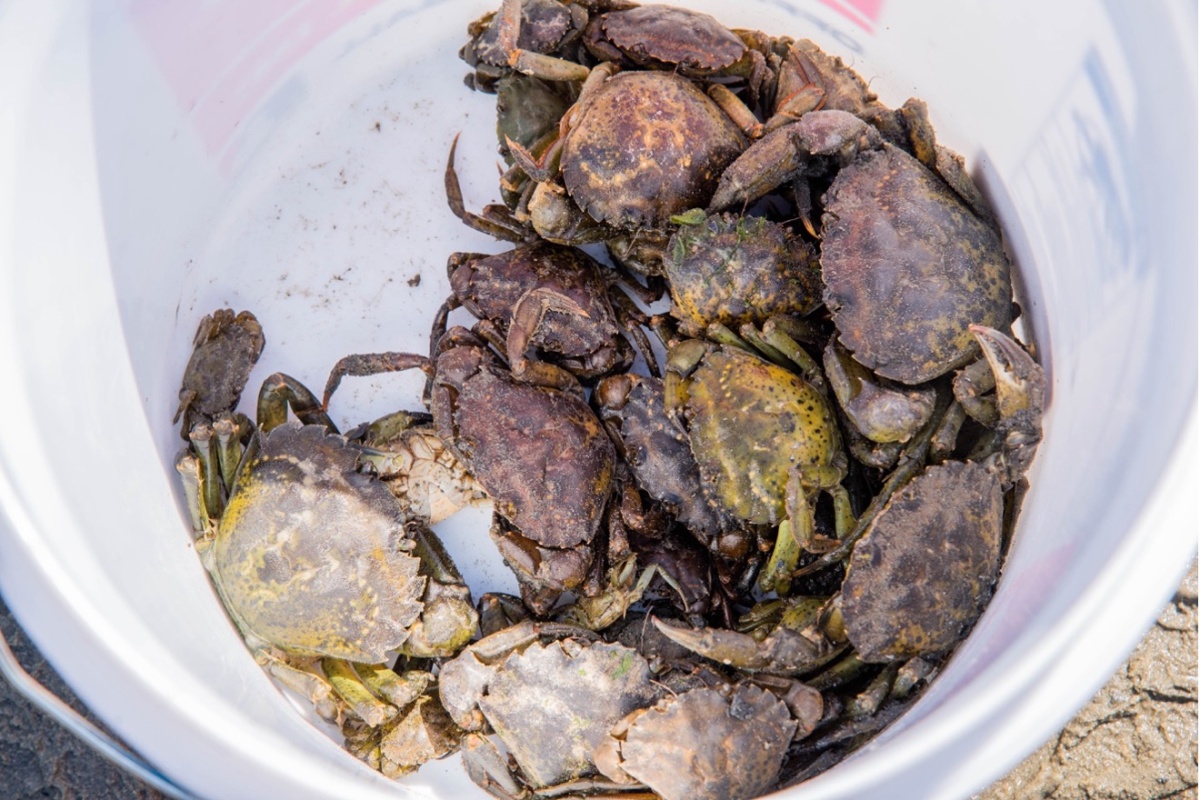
746	528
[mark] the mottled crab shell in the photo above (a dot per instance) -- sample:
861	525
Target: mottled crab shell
907	267
749	422
704	745
309	554
541	454
553	704
647	145
690	40
924	569
734	269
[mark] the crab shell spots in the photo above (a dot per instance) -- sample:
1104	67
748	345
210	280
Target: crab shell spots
700	745
750	421
647	145
308	555
908	267
734	269
693	41
552	705
924	569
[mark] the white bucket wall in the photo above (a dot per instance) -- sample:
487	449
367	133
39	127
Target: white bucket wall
162	161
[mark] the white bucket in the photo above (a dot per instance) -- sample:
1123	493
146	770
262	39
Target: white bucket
162	160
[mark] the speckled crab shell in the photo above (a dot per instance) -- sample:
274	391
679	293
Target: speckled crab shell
343	587
908	267
647	145
924	569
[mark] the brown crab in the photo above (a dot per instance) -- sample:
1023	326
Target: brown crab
539	452
537	27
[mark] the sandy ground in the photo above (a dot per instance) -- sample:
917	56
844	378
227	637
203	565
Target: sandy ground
1135	741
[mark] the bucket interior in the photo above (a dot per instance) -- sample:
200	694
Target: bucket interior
287	159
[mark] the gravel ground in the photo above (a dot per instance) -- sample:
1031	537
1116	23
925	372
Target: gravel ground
1135	741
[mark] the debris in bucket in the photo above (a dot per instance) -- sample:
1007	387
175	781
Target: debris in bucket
747	528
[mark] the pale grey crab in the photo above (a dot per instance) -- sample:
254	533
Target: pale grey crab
324	572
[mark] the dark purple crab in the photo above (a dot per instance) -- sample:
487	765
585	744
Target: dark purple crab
550	309
539	452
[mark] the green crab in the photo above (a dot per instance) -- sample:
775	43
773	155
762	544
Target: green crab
324	572
764	436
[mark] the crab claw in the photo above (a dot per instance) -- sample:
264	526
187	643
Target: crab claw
1020	396
779	155
782	652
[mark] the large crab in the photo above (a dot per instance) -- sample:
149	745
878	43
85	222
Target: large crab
324	572
764	437
908	263
539	452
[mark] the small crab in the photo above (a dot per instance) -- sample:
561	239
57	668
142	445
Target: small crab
764	437
549	702
907	263
322	570
678	39
551	301
723	743
731	269
540	27
539	452
881	416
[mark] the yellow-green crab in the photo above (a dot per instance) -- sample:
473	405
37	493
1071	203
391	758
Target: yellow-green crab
327	574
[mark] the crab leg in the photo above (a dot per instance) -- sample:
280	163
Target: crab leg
784	651
527	316
777	156
281	392
203	445
349	686
1020	397
364	364
496	221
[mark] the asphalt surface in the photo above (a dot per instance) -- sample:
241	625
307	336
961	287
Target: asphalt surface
1135	741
